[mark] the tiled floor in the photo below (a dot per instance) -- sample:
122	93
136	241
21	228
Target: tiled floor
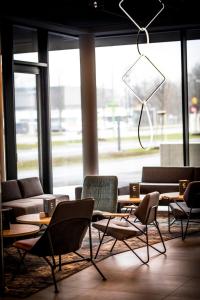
174	276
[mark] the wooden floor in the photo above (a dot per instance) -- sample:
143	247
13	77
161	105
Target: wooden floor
174	276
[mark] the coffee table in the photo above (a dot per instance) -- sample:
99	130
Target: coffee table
33	219
171	196
18	230
124	201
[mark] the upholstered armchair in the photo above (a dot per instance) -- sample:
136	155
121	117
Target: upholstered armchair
124	230
64	234
104	191
188	210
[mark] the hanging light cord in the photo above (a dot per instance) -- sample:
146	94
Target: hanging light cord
144	103
150	126
138	129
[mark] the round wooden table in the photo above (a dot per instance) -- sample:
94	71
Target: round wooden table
17	230
33	219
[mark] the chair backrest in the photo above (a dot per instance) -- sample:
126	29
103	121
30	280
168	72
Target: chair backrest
104	190
144	211
192	194
67	228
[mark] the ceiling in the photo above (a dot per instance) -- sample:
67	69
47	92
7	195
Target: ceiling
102	17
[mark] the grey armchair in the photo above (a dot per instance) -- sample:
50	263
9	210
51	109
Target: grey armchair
104	191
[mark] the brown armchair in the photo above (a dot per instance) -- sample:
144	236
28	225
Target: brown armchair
64	234
124	230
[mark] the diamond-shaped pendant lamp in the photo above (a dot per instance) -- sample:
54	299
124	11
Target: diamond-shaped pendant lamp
143	78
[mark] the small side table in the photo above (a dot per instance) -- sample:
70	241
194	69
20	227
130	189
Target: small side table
171	196
33	219
127	200
20	230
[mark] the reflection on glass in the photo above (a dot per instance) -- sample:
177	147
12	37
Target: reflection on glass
26	125
119	110
66	124
194	100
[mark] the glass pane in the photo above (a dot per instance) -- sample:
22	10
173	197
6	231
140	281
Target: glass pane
119	110
26	125
25	44
66	126
194	99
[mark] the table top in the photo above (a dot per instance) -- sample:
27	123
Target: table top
169	196
115	215
127	199
172	196
17	230
33	219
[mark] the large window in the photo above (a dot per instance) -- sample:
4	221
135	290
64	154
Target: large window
26	115
193	47
66	125
119	110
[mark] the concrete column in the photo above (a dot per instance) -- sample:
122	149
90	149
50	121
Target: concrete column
89	104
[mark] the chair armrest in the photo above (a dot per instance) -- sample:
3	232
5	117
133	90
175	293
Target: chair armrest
115	215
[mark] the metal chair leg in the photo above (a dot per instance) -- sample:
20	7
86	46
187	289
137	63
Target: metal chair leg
113	245
102	239
143	261
52	265
60	263
163	243
188	219
182	229
91	254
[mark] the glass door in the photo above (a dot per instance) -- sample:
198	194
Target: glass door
26	117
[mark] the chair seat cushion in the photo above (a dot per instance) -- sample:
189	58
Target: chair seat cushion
120	230
181	210
25	206
26	244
